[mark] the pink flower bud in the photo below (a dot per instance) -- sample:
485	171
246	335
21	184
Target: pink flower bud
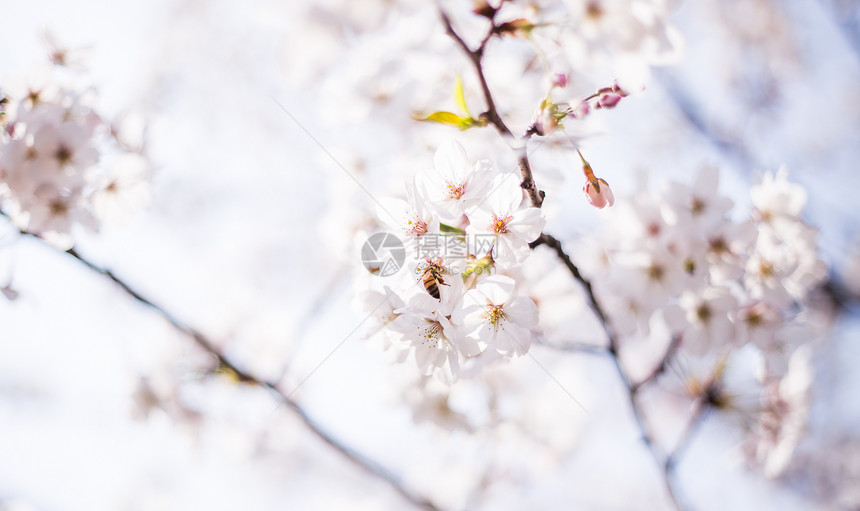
598	193
608	100
618	90
581	111
559	80
548	116
545	122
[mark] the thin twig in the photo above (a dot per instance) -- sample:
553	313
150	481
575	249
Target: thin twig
696	421
661	366
613	351
244	376
492	113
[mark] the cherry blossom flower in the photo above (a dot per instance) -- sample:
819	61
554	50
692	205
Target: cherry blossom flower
698	205
706	325
67	144
502	219
412	218
785	407
728	244
51	173
548	117
757	323
493	318
431	335
455	184
775	197
381	306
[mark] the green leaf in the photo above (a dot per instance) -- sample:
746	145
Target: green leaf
451	119
451	229
460	97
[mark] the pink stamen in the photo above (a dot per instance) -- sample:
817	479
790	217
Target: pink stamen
500	225
456	191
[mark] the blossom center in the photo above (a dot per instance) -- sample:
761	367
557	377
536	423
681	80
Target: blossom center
719	245
58	207
494	314
431	334
500	225
754	319
63	155
455	191
416	226
594	11
655	272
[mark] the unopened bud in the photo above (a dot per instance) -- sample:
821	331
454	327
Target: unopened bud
598	193
548	116
559	80
608	100
581	110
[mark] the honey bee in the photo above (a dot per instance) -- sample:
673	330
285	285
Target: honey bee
431	277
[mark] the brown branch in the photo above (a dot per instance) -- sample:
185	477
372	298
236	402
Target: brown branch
613	351
491	114
242	375
696	421
661	367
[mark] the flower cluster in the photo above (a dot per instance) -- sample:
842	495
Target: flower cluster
464	226
728	292
61	163
577	34
718	283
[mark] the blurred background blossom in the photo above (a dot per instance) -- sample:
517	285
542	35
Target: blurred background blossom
255	138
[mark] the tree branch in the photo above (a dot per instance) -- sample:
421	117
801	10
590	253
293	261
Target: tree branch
613	351
492	113
662	365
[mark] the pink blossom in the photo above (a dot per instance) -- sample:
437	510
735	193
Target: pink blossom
608	100
598	193
559	80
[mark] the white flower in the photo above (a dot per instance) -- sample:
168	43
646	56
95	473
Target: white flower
123	189
758	323
492	318
500	219
781	271
380	306
775	197
455	184
728	244
53	212
412	218
784	413
699	205
66	145
705	324
426	326
49	160
658	274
